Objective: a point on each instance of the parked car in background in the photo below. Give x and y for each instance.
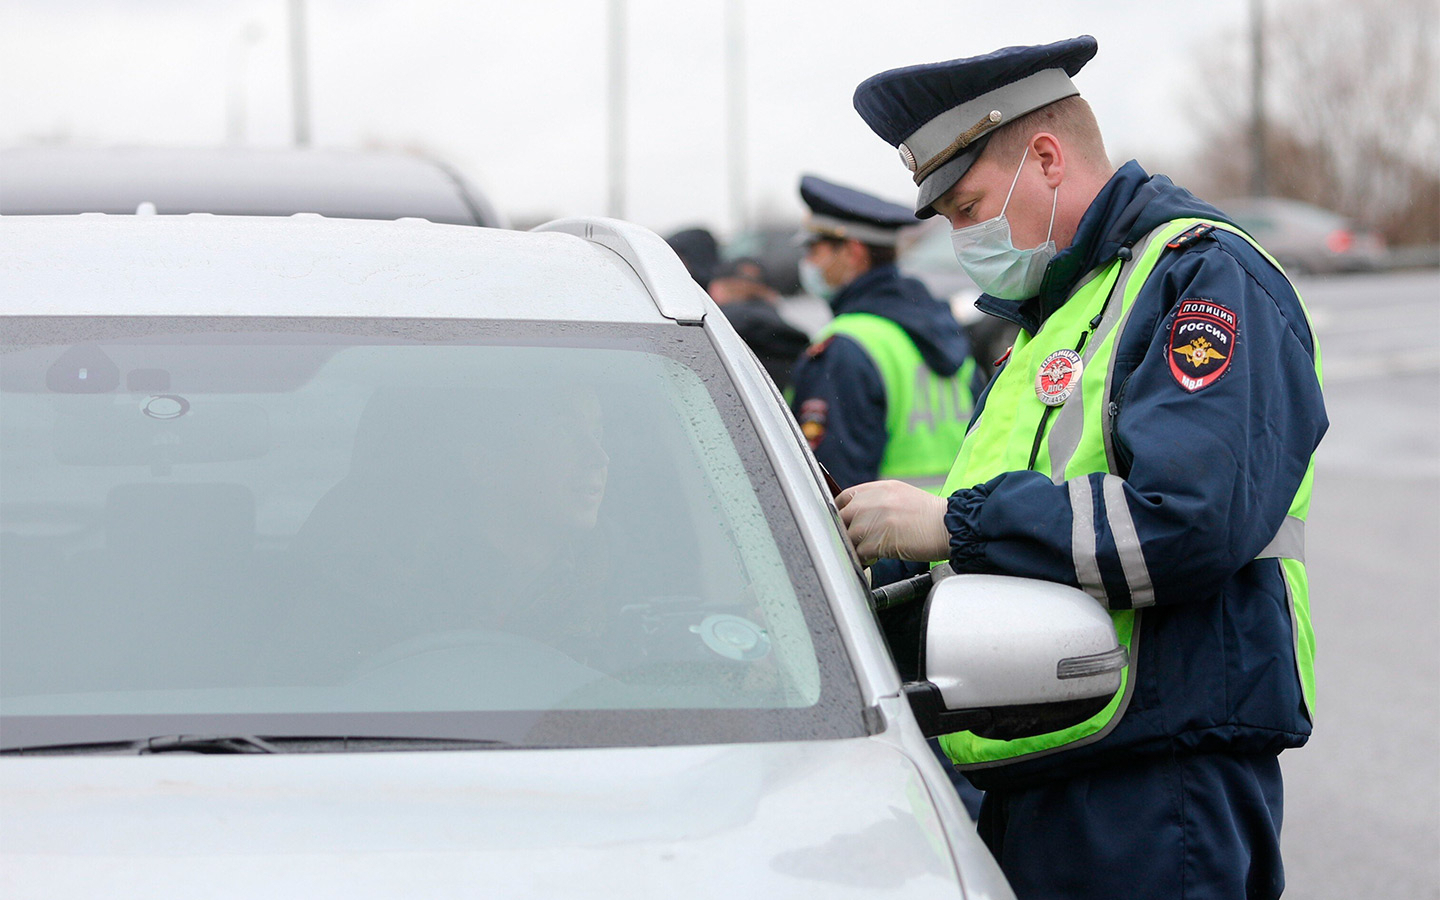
(1305, 238)
(240, 182)
(393, 559)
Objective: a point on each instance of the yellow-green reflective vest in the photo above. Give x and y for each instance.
(925, 413)
(1076, 442)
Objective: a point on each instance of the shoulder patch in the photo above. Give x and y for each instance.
(1202, 342)
(815, 350)
(813, 414)
(1186, 238)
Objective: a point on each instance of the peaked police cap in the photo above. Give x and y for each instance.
(940, 115)
(843, 212)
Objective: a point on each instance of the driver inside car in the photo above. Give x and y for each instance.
(463, 509)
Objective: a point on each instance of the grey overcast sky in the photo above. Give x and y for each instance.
(514, 93)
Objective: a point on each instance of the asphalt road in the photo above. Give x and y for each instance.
(1362, 811)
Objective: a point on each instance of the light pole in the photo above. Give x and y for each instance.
(235, 119)
(299, 74)
(735, 114)
(1258, 187)
(615, 109)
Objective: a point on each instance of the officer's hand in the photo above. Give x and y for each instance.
(896, 520)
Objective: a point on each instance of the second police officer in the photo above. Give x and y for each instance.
(1150, 440)
(886, 389)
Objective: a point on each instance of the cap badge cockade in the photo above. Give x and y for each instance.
(907, 158)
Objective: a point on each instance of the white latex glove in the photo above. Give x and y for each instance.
(896, 520)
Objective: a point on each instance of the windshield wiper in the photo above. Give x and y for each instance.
(249, 743)
(205, 743)
(165, 743)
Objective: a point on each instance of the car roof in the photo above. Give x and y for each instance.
(594, 270)
(237, 181)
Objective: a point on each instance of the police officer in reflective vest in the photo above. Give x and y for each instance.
(1149, 440)
(889, 384)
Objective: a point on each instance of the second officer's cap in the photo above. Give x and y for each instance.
(837, 211)
(940, 115)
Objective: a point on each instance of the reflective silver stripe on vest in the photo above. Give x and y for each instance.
(1107, 425)
(921, 405)
(935, 394)
(1127, 543)
(1069, 426)
(1288, 543)
(1082, 540)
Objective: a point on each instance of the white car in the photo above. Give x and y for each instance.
(395, 559)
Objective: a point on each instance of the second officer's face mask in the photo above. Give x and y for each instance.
(990, 258)
(812, 281)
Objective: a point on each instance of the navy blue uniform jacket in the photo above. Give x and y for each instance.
(1208, 475)
(841, 375)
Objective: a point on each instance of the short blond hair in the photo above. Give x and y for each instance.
(1070, 119)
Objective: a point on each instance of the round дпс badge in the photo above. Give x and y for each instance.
(1059, 376)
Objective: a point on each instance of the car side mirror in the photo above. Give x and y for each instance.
(1010, 657)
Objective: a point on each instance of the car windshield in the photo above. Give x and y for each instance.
(553, 534)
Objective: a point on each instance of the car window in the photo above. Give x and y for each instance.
(547, 533)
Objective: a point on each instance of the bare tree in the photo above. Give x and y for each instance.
(1353, 105)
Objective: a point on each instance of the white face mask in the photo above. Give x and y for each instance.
(990, 258)
(813, 282)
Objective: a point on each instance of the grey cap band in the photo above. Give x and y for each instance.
(944, 178)
(828, 226)
(942, 150)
